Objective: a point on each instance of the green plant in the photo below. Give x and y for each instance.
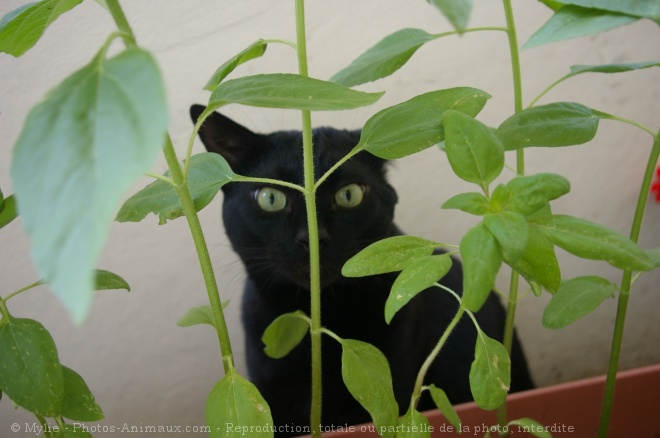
(517, 225)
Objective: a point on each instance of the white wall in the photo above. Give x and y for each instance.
(143, 369)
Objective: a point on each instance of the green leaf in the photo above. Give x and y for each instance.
(80, 150)
(552, 4)
(419, 274)
(482, 258)
(574, 22)
(474, 203)
(30, 370)
(644, 9)
(285, 333)
(289, 91)
(456, 11)
(490, 373)
(387, 255)
(196, 316)
(235, 403)
(532, 427)
(593, 241)
(383, 59)
(414, 125)
(8, 211)
(474, 151)
(413, 425)
(555, 124)
(72, 431)
(511, 231)
(207, 173)
(366, 374)
(611, 68)
(538, 263)
(529, 193)
(576, 298)
(654, 255)
(254, 50)
(22, 28)
(442, 402)
(78, 403)
(106, 280)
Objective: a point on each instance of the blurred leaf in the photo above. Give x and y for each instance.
(576, 298)
(8, 211)
(446, 408)
(288, 91)
(644, 9)
(413, 425)
(383, 59)
(387, 255)
(593, 241)
(474, 203)
(552, 4)
(30, 371)
(22, 28)
(236, 401)
(414, 125)
(456, 11)
(72, 431)
(482, 258)
(532, 427)
(80, 150)
(510, 230)
(490, 373)
(419, 274)
(555, 124)
(78, 403)
(254, 50)
(207, 174)
(199, 315)
(611, 68)
(574, 22)
(654, 255)
(366, 374)
(284, 334)
(474, 151)
(106, 280)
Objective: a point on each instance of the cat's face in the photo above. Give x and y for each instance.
(267, 224)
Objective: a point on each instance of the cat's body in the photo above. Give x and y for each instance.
(273, 248)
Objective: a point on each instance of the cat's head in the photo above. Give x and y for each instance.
(267, 224)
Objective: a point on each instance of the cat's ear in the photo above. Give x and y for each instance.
(223, 136)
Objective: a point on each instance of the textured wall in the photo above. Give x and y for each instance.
(146, 371)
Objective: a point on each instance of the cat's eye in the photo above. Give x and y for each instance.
(270, 199)
(350, 196)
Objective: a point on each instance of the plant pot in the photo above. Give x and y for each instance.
(571, 408)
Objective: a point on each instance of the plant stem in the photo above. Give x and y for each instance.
(417, 391)
(507, 338)
(624, 295)
(181, 187)
(23, 289)
(312, 225)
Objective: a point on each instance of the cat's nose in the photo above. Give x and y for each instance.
(302, 238)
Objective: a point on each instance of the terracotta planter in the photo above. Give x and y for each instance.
(568, 409)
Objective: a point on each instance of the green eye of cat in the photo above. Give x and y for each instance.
(270, 199)
(350, 196)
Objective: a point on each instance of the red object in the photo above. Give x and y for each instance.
(569, 409)
(655, 187)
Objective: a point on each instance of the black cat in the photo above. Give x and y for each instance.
(267, 228)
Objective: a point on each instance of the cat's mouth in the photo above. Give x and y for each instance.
(300, 274)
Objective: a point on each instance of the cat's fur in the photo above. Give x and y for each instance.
(273, 248)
